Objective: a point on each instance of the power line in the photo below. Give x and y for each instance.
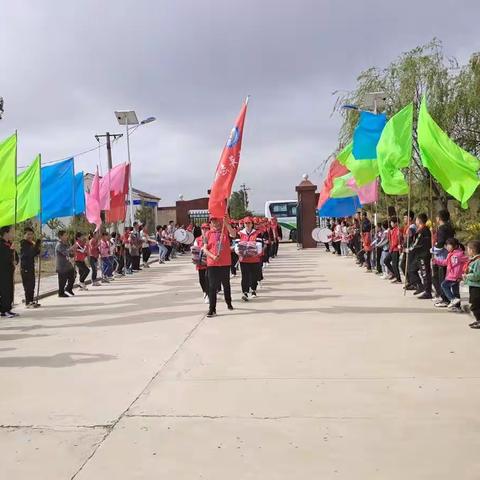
(75, 155)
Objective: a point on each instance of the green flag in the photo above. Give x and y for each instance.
(28, 197)
(8, 155)
(394, 151)
(455, 169)
(363, 171)
(340, 188)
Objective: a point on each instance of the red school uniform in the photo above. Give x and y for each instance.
(219, 243)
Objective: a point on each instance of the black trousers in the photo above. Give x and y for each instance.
(392, 263)
(83, 271)
(93, 265)
(218, 276)
(135, 262)
(438, 276)
(146, 254)
(336, 247)
(266, 254)
(128, 260)
(28, 281)
(169, 252)
(250, 276)
(417, 265)
(203, 280)
(6, 291)
(233, 267)
(378, 256)
(65, 281)
(120, 263)
(474, 293)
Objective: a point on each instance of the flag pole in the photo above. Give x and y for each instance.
(41, 230)
(409, 204)
(15, 211)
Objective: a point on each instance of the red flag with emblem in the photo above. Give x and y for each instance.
(227, 168)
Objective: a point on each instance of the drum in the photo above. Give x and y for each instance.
(247, 249)
(198, 257)
(180, 235)
(322, 235)
(190, 238)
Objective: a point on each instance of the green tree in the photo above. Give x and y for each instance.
(453, 101)
(145, 215)
(237, 205)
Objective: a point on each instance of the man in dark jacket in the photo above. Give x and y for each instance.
(420, 258)
(7, 269)
(29, 249)
(64, 267)
(444, 232)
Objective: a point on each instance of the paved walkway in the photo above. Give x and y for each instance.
(330, 374)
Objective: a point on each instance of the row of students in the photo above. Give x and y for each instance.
(433, 265)
(117, 255)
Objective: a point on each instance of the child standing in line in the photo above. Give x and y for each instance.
(105, 258)
(455, 262)
(344, 239)
(472, 279)
(94, 253)
(80, 252)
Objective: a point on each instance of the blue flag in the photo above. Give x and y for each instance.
(58, 190)
(340, 207)
(79, 194)
(367, 134)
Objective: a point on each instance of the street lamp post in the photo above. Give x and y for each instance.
(129, 118)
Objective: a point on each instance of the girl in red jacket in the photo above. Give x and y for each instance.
(455, 262)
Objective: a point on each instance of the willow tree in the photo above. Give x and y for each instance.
(453, 101)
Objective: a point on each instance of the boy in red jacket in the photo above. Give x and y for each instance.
(219, 259)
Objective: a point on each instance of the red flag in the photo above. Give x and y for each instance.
(227, 168)
(118, 192)
(336, 170)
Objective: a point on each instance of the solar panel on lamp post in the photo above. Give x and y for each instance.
(129, 118)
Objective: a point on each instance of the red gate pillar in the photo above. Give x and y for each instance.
(307, 213)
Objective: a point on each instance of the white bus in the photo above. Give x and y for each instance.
(285, 211)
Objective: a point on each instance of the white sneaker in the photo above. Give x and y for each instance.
(454, 303)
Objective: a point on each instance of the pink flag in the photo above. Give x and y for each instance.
(112, 184)
(93, 203)
(366, 194)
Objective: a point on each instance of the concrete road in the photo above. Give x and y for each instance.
(330, 374)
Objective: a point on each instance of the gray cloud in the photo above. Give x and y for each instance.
(67, 65)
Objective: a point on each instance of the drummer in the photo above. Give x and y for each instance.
(201, 261)
(249, 250)
(219, 259)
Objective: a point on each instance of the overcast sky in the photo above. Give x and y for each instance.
(67, 65)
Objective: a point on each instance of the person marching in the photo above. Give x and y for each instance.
(80, 251)
(249, 249)
(219, 260)
(29, 249)
(64, 267)
(93, 254)
(7, 269)
(200, 260)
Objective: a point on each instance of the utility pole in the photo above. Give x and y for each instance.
(108, 135)
(244, 189)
